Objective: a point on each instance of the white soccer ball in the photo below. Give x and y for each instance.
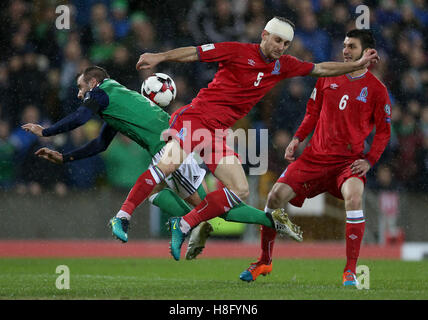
(160, 88)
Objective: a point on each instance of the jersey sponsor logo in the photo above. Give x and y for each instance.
(363, 95)
(251, 62)
(207, 47)
(276, 68)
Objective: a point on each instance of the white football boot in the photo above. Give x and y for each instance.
(284, 226)
(198, 237)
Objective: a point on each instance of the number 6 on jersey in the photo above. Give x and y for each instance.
(343, 102)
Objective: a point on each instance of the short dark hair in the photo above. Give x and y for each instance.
(94, 72)
(286, 20)
(366, 38)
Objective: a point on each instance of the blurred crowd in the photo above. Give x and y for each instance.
(39, 63)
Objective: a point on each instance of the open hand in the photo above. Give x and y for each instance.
(50, 155)
(369, 57)
(33, 128)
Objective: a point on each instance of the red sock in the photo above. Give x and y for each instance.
(354, 236)
(214, 204)
(267, 240)
(142, 189)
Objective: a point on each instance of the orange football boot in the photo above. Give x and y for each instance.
(255, 269)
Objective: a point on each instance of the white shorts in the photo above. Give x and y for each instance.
(186, 179)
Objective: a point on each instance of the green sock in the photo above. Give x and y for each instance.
(201, 192)
(247, 214)
(169, 202)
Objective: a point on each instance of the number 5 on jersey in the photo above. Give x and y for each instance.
(259, 78)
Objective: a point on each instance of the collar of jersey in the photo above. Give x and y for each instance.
(265, 59)
(357, 77)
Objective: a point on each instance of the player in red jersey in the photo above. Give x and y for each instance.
(246, 73)
(343, 111)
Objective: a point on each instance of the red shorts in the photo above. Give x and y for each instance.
(196, 133)
(309, 177)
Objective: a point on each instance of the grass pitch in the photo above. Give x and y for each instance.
(206, 279)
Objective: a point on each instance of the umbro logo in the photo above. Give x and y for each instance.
(149, 182)
(251, 62)
(334, 86)
(353, 236)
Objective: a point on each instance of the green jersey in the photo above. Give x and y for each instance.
(130, 113)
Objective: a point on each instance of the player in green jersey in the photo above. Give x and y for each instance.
(128, 112)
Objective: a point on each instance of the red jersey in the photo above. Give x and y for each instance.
(244, 76)
(344, 110)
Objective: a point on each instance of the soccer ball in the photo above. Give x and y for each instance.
(160, 88)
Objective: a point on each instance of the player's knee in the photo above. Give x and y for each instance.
(241, 191)
(167, 168)
(353, 202)
(194, 199)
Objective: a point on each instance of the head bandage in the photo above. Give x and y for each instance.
(280, 28)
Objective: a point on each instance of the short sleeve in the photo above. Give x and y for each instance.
(294, 67)
(218, 52)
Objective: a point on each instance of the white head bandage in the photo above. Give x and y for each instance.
(280, 28)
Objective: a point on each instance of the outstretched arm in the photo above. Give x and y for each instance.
(332, 69)
(90, 149)
(70, 122)
(93, 147)
(184, 54)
